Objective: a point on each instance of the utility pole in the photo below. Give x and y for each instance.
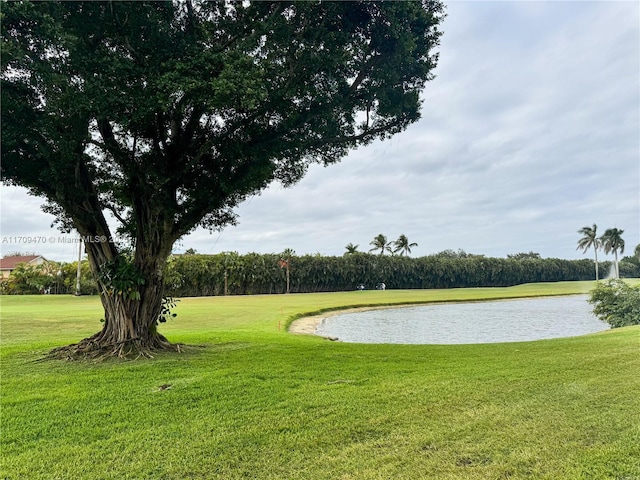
(79, 267)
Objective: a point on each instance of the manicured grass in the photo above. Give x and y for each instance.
(249, 400)
(52, 320)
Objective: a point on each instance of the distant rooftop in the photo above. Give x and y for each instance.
(10, 263)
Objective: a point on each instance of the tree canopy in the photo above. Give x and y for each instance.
(194, 106)
(403, 246)
(380, 243)
(166, 115)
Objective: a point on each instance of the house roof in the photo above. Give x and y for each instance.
(9, 263)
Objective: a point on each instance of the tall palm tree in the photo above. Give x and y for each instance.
(403, 246)
(380, 243)
(612, 242)
(590, 239)
(351, 249)
(285, 262)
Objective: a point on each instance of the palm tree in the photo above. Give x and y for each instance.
(285, 262)
(380, 243)
(351, 249)
(612, 242)
(403, 246)
(589, 240)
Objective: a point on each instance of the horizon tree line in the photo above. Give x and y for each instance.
(231, 273)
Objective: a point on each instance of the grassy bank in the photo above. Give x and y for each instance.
(249, 400)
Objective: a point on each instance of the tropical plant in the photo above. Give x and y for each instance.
(351, 249)
(285, 262)
(28, 278)
(403, 246)
(612, 241)
(616, 302)
(88, 284)
(169, 114)
(380, 243)
(590, 240)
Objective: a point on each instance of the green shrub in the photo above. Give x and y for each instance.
(616, 303)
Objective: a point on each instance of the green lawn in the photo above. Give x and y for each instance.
(249, 400)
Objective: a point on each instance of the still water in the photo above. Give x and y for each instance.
(470, 322)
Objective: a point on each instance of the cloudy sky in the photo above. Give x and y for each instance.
(530, 131)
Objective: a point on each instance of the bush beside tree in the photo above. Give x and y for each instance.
(616, 303)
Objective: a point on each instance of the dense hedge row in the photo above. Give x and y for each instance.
(202, 275)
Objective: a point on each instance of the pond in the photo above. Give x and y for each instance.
(469, 322)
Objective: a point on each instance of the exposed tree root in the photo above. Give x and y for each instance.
(96, 348)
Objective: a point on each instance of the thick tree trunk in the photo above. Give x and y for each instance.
(130, 314)
(130, 318)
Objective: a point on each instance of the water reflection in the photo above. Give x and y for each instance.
(471, 322)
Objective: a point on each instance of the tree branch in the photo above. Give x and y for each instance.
(119, 154)
(116, 214)
(364, 71)
(371, 132)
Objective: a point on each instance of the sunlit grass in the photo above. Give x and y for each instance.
(54, 319)
(249, 400)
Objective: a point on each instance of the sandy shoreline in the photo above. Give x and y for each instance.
(309, 325)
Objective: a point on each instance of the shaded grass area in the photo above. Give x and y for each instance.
(248, 400)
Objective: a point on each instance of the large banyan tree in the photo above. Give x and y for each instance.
(164, 116)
